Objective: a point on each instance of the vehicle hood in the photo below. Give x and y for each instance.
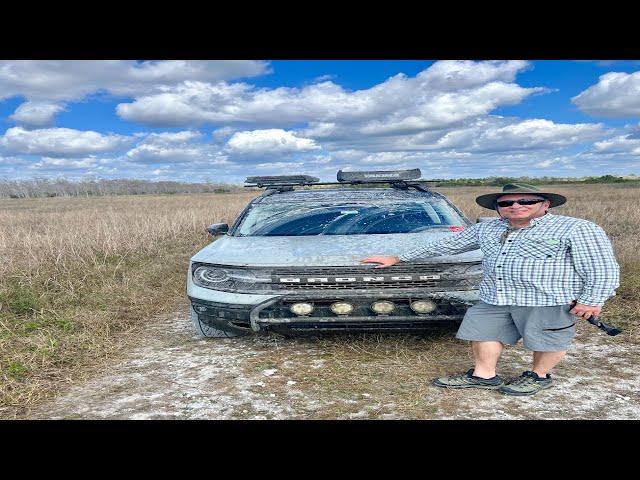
(320, 250)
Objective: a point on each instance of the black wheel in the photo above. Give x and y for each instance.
(207, 331)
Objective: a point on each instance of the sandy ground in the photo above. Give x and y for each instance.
(176, 375)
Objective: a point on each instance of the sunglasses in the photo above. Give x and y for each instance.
(508, 203)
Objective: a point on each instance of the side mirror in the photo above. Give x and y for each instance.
(217, 229)
(485, 219)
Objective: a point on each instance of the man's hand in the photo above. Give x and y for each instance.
(584, 311)
(385, 261)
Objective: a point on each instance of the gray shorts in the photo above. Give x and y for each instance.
(542, 329)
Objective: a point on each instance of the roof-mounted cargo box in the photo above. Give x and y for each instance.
(282, 180)
(379, 176)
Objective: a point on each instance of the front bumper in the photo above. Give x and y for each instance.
(273, 313)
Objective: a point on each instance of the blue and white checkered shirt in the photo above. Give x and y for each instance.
(555, 260)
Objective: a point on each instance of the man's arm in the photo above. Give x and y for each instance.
(461, 242)
(595, 262)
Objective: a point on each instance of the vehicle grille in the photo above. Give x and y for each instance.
(365, 285)
(449, 270)
(365, 269)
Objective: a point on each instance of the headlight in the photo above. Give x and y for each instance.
(341, 308)
(206, 276)
(227, 279)
(301, 308)
(423, 306)
(383, 307)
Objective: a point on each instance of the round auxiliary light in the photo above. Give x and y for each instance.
(383, 307)
(423, 306)
(301, 308)
(341, 308)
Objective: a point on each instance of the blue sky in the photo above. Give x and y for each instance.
(224, 120)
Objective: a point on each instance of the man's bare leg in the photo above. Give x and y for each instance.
(486, 356)
(543, 362)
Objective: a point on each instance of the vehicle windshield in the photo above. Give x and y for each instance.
(286, 219)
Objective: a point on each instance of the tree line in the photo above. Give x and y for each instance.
(37, 188)
(61, 187)
(499, 181)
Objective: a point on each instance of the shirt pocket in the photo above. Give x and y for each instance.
(538, 248)
(490, 248)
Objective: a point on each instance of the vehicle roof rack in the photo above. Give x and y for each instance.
(401, 179)
(282, 180)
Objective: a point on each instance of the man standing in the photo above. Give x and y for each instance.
(540, 272)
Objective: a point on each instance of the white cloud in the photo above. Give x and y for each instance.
(60, 142)
(287, 166)
(450, 75)
(176, 148)
(13, 161)
(536, 134)
(149, 153)
(555, 163)
(320, 130)
(187, 104)
(223, 134)
(623, 144)
(270, 141)
(47, 163)
(385, 158)
(616, 95)
(73, 79)
(320, 160)
(349, 155)
(36, 114)
(448, 108)
(173, 137)
(484, 134)
(445, 93)
(496, 134)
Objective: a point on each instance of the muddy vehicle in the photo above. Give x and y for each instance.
(290, 263)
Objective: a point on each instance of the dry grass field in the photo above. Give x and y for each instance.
(81, 278)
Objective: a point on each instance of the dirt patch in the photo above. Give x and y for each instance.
(176, 375)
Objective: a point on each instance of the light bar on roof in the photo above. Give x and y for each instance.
(379, 175)
(282, 179)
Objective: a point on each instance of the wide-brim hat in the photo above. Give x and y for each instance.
(489, 200)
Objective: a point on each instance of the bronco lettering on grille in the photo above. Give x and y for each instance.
(381, 278)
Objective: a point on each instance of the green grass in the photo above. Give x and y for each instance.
(20, 299)
(16, 370)
(70, 324)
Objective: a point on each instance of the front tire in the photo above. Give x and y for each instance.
(207, 331)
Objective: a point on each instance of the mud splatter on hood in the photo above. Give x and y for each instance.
(321, 250)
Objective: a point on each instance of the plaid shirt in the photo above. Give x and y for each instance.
(555, 260)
